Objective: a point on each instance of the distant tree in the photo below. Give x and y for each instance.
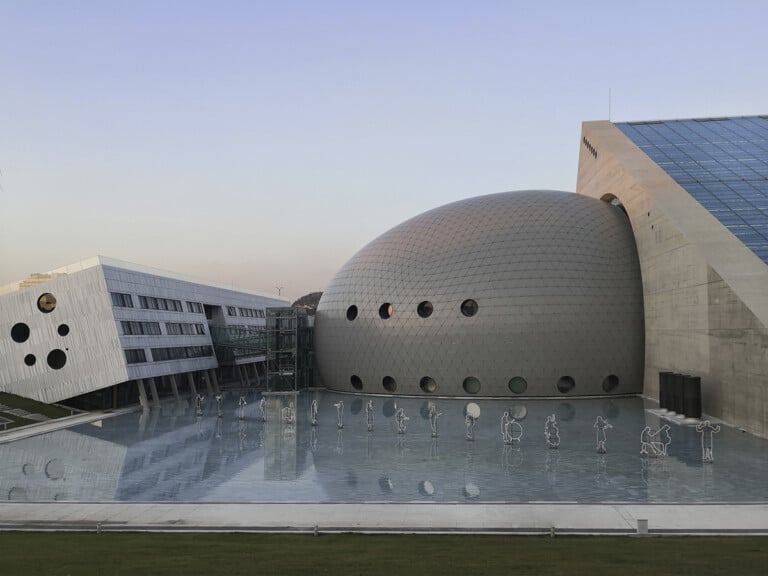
(308, 301)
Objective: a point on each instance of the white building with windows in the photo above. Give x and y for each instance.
(135, 332)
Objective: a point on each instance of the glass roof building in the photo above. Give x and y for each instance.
(696, 193)
(721, 162)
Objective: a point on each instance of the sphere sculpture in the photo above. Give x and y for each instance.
(533, 293)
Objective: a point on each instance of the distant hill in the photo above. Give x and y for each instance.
(308, 301)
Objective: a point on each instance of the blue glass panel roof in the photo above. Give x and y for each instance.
(721, 162)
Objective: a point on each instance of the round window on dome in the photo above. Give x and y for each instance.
(610, 383)
(471, 385)
(518, 385)
(356, 382)
(389, 384)
(385, 310)
(425, 309)
(428, 384)
(469, 308)
(565, 384)
(351, 312)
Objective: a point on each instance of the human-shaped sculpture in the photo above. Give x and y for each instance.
(433, 416)
(601, 424)
(289, 414)
(552, 432)
(313, 413)
(504, 424)
(339, 414)
(218, 405)
(401, 419)
(263, 409)
(369, 415)
(241, 403)
(513, 431)
(470, 420)
(199, 404)
(707, 441)
(241, 435)
(655, 443)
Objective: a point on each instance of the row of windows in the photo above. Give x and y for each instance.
(425, 308)
(471, 385)
(245, 312)
(182, 328)
(153, 328)
(141, 328)
(135, 356)
(153, 303)
(121, 300)
(139, 356)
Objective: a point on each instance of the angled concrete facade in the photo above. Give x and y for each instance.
(102, 322)
(705, 292)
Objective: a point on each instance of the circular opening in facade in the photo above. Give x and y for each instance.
(63, 329)
(566, 384)
(469, 308)
(428, 384)
(425, 309)
(610, 382)
(56, 359)
(356, 382)
(518, 385)
(46, 303)
(471, 385)
(20, 332)
(54, 469)
(351, 312)
(385, 310)
(30, 359)
(389, 384)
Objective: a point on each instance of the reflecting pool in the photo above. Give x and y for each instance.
(171, 453)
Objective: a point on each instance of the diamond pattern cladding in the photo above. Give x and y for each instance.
(557, 284)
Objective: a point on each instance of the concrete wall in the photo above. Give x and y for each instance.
(706, 294)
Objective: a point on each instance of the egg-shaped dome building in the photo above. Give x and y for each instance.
(533, 293)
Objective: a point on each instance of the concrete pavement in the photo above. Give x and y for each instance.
(536, 518)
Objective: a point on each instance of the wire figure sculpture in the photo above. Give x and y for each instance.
(339, 414)
(199, 404)
(707, 431)
(241, 404)
(552, 432)
(369, 413)
(601, 424)
(433, 416)
(656, 442)
(401, 419)
(313, 413)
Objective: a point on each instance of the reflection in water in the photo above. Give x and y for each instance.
(171, 454)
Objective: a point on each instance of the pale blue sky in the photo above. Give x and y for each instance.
(261, 144)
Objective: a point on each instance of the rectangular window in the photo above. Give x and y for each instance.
(141, 328)
(195, 307)
(135, 356)
(120, 300)
(152, 303)
(231, 311)
(181, 353)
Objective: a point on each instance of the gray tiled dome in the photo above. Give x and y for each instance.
(556, 282)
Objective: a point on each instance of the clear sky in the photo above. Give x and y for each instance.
(261, 144)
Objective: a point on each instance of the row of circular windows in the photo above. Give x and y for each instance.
(471, 385)
(424, 309)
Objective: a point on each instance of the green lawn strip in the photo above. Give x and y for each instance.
(15, 421)
(33, 406)
(287, 554)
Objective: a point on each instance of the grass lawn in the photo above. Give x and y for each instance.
(32, 406)
(32, 553)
